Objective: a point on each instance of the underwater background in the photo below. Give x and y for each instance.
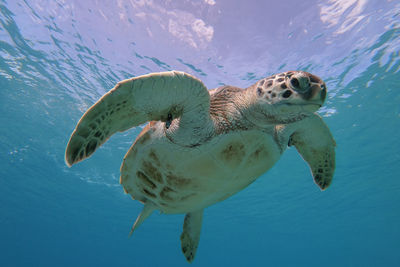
(58, 57)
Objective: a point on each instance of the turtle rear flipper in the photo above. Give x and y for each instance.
(148, 208)
(158, 96)
(190, 236)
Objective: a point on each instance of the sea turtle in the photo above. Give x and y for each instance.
(201, 147)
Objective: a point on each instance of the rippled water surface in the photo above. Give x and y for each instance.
(58, 57)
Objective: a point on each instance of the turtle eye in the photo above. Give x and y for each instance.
(295, 83)
(169, 121)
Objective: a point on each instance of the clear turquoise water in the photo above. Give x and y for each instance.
(58, 57)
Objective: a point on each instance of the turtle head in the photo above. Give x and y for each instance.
(289, 96)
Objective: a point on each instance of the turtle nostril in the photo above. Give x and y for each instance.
(323, 92)
(295, 82)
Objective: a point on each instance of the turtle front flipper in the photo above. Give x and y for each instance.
(190, 236)
(161, 96)
(315, 143)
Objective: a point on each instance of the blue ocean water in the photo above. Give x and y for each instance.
(58, 57)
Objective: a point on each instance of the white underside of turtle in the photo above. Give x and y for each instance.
(201, 147)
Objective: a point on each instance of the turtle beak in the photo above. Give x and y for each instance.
(317, 93)
(309, 87)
